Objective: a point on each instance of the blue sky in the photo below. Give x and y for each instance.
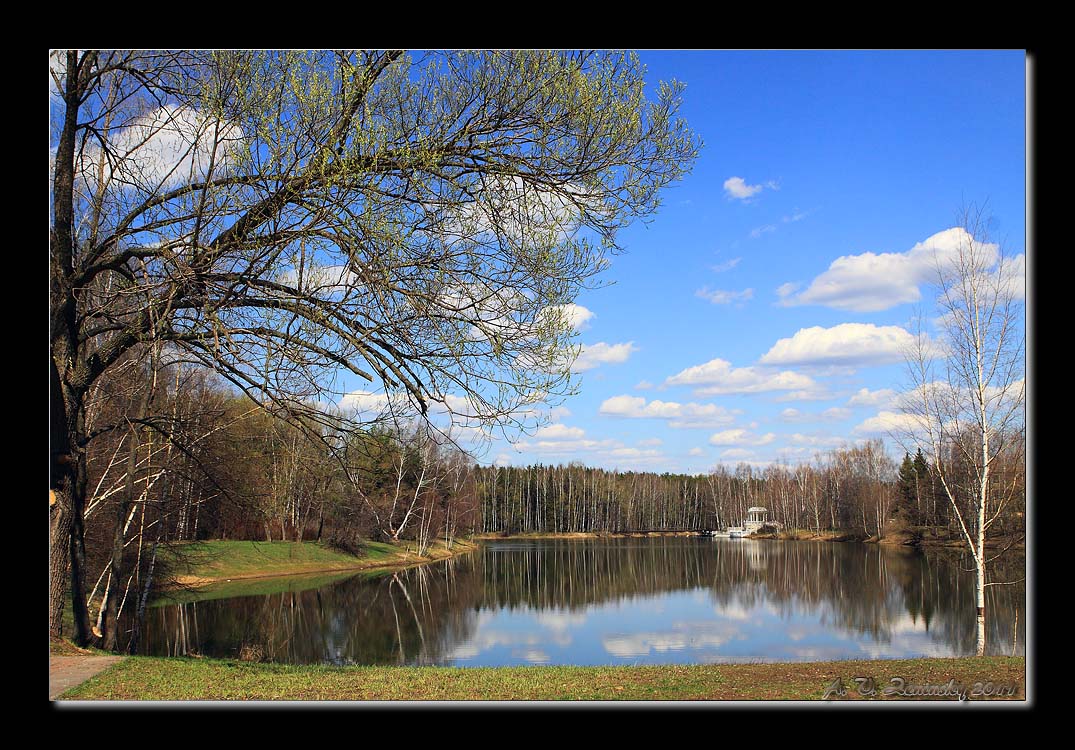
(725, 310)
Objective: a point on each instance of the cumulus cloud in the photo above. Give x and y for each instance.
(643, 385)
(679, 415)
(559, 432)
(561, 440)
(870, 282)
(889, 422)
(718, 377)
(833, 414)
(724, 296)
(847, 344)
(164, 148)
(600, 353)
(741, 453)
(740, 437)
(737, 188)
(817, 441)
(559, 412)
(365, 402)
(879, 398)
(696, 452)
(572, 315)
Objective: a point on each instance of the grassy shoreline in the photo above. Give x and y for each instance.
(183, 679)
(208, 563)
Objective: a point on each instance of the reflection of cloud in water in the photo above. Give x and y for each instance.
(685, 635)
(734, 612)
(524, 644)
(532, 655)
(464, 651)
(906, 645)
(818, 653)
(560, 620)
(798, 632)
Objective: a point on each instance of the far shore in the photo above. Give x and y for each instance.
(900, 539)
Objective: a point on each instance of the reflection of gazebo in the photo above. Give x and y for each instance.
(756, 518)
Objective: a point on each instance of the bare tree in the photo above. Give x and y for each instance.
(419, 222)
(965, 404)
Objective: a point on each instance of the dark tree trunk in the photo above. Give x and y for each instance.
(68, 459)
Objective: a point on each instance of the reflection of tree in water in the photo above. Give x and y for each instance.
(867, 589)
(413, 616)
(419, 615)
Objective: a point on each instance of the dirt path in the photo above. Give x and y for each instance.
(67, 671)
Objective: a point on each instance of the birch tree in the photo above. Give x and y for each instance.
(418, 222)
(965, 404)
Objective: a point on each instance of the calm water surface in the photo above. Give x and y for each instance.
(622, 601)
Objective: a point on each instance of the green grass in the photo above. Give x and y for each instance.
(147, 678)
(238, 559)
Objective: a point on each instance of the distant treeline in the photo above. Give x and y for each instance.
(853, 489)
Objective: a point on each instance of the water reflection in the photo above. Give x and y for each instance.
(624, 601)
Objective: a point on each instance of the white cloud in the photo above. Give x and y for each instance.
(696, 452)
(559, 412)
(879, 398)
(648, 442)
(738, 453)
(817, 392)
(726, 265)
(643, 385)
(759, 231)
(737, 188)
(572, 315)
(559, 432)
(163, 148)
(560, 440)
(364, 402)
(889, 422)
(600, 353)
(740, 437)
(829, 441)
(502, 459)
(870, 282)
(785, 290)
(724, 296)
(519, 212)
(835, 413)
(718, 377)
(680, 415)
(1016, 277)
(847, 344)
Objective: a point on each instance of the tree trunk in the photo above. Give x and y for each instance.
(67, 554)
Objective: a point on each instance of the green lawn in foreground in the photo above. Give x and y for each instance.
(146, 678)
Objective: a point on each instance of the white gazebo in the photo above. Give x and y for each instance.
(756, 518)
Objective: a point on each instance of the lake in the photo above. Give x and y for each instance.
(660, 600)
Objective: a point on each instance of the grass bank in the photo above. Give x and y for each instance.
(146, 678)
(216, 562)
